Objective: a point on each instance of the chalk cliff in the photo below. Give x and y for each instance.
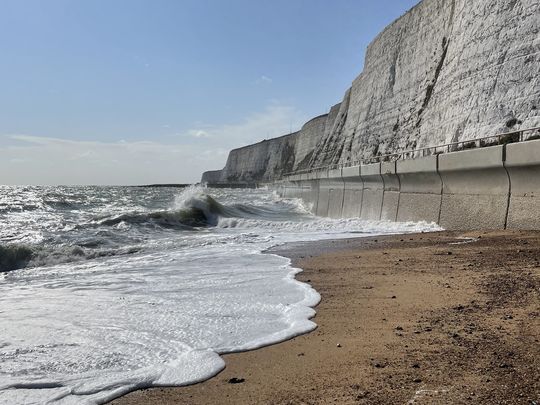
(446, 71)
(270, 159)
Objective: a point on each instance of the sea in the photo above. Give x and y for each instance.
(105, 290)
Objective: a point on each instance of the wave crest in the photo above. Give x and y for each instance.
(14, 257)
(17, 256)
(195, 209)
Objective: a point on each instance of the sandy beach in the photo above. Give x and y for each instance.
(442, 318)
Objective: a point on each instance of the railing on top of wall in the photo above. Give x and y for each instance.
(501, 139)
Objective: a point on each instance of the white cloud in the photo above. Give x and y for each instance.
(275, 120)
(198, 133)
(29, 159)
(264, 80)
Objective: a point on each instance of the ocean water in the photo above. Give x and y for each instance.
(104, 290)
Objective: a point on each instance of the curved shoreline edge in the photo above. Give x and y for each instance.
(400, 319)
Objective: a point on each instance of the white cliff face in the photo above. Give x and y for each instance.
(273, 158)
(447, 71)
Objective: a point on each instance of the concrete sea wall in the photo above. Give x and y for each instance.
(493, 187)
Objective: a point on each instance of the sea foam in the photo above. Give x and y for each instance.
(89, 331)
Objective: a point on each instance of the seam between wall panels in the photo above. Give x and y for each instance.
(383, 191)
(509, 188)
(442, 189)
(318, 183)
(361, 192)
(342, 195)
(399, 192)
(328, 202)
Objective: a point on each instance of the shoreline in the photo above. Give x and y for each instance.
(403, 332)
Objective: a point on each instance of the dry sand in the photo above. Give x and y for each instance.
(420, 319)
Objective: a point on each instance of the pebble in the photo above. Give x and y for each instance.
(236, 380)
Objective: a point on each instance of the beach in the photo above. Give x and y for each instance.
(444, 317)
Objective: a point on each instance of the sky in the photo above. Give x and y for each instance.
(128, 92)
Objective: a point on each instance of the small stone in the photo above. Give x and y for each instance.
(417, 380)
(362, 395)
(338, 345)
(236, 380)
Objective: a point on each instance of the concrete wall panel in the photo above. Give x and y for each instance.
(310, 194)
(468, 212)
(294, 190)
(353, 190)
(391, 196)
(390, 205)
(419, 207)
(421, 190)
(336, 189)
(475, 189)
(523, 166)
(373, 191)
(323, 197)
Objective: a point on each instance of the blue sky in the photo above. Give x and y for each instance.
(156, 91)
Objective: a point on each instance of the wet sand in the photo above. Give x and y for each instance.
(443, 318)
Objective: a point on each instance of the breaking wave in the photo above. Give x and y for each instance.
(17, 256)
(199, 210)
(13, 257)
(106, 235)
